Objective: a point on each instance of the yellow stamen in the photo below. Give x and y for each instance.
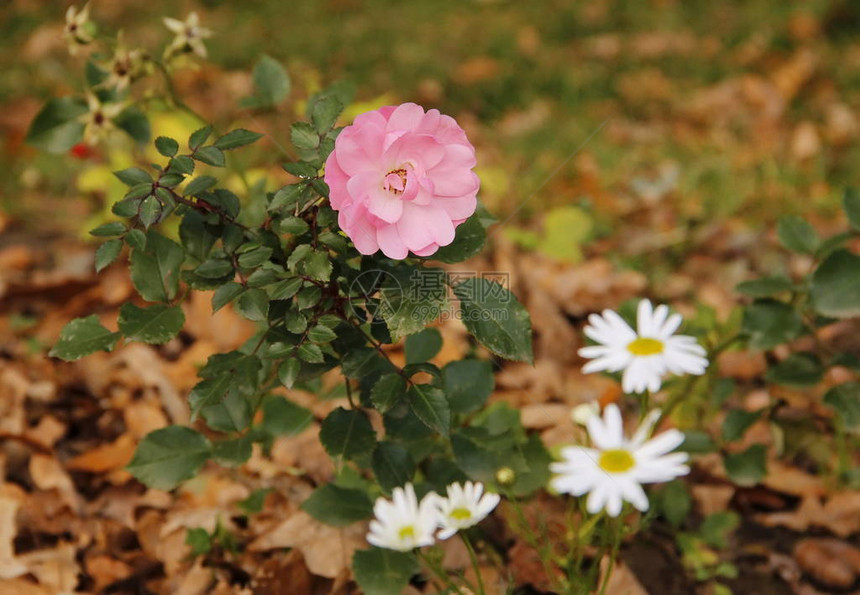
(407, 532)
(616, 461)
(461, 514)
(645, 346)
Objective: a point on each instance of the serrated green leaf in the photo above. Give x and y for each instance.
(149, 211)
(431, 407)
(422, 346)
(392, 465)
(468, 241)
(737, 422)
(133, 176)
(232, 452)
(83, 336)
(304, 137)
(271, 84)
(769, 323)
(835, 288)
(155, 270)
(337, 506)
(107, 253)
(114, 228)
(325, 112)
(347, 434)
(288, 371)
(388, 391)
(198, 185)
(765, 287)
(321, 334)
(282, 417)
(383, 572)
(310, 353)
(468, 384)
(795, 233)
(226, 294)
(57, 128)
(798, 370)
(166, 146)
(198, 137)
(496, 318)
(237, 138)
(210, 155)
(155, 324)
(167, 457)
(254, 305)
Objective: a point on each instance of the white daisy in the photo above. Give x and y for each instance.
(402, 523)
(615, 469)
(645, 355)
(464, 507)
(189, 36)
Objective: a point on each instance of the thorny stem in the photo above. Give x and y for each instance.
(474, 558)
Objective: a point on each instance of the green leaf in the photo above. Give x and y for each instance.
(135, 123)
(392, 465)
(337, 506)
(255, 257)
(136, 238)
(798, 370)
(301, 169)
(214, 268)
(83, 336)
(347, 434)
(422, 346)
(321, 334)
(304, 137)
(764, 287)
(845, 400)
(288, 372)
(496, 318)
(851, 203)
(155, 270)
(388, 391)
(107, 253)
(210, 155)
(133, 176)
(155, 324)
(676, 502)
(325, 112)
(226, 294)
(468, 384)
(293, 225)
(167, 457)
(362, 362)
(282, 417)
(565, 231)
(106, 230)
(254, 305)
(166, 146)
(150, 211)
(233, 452)
(716, 528)
(237, 138)
(198, 137)
(411, 299)
(737, 422)
(253, 504)
(836, 286)
(747, 468)
(197, 236)
(199, 540)
(310, 353)
(181, 164)
(770, 323)
(56, 127)
(431, 407)
(797, 234)
(198, 185)
(383, 572)
(271, 84)
(317, 265)
(468, 241)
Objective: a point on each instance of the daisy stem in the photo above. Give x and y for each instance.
(439, 572)
(533, 541)
(615, 529)
(644, 404)
(474, 558)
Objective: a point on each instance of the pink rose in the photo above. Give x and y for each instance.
(402, 180)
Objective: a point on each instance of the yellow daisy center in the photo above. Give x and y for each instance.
(645, 346)
(461, 514)
(616, 461)
(407, 532)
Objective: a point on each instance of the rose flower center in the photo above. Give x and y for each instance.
(395, 181)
